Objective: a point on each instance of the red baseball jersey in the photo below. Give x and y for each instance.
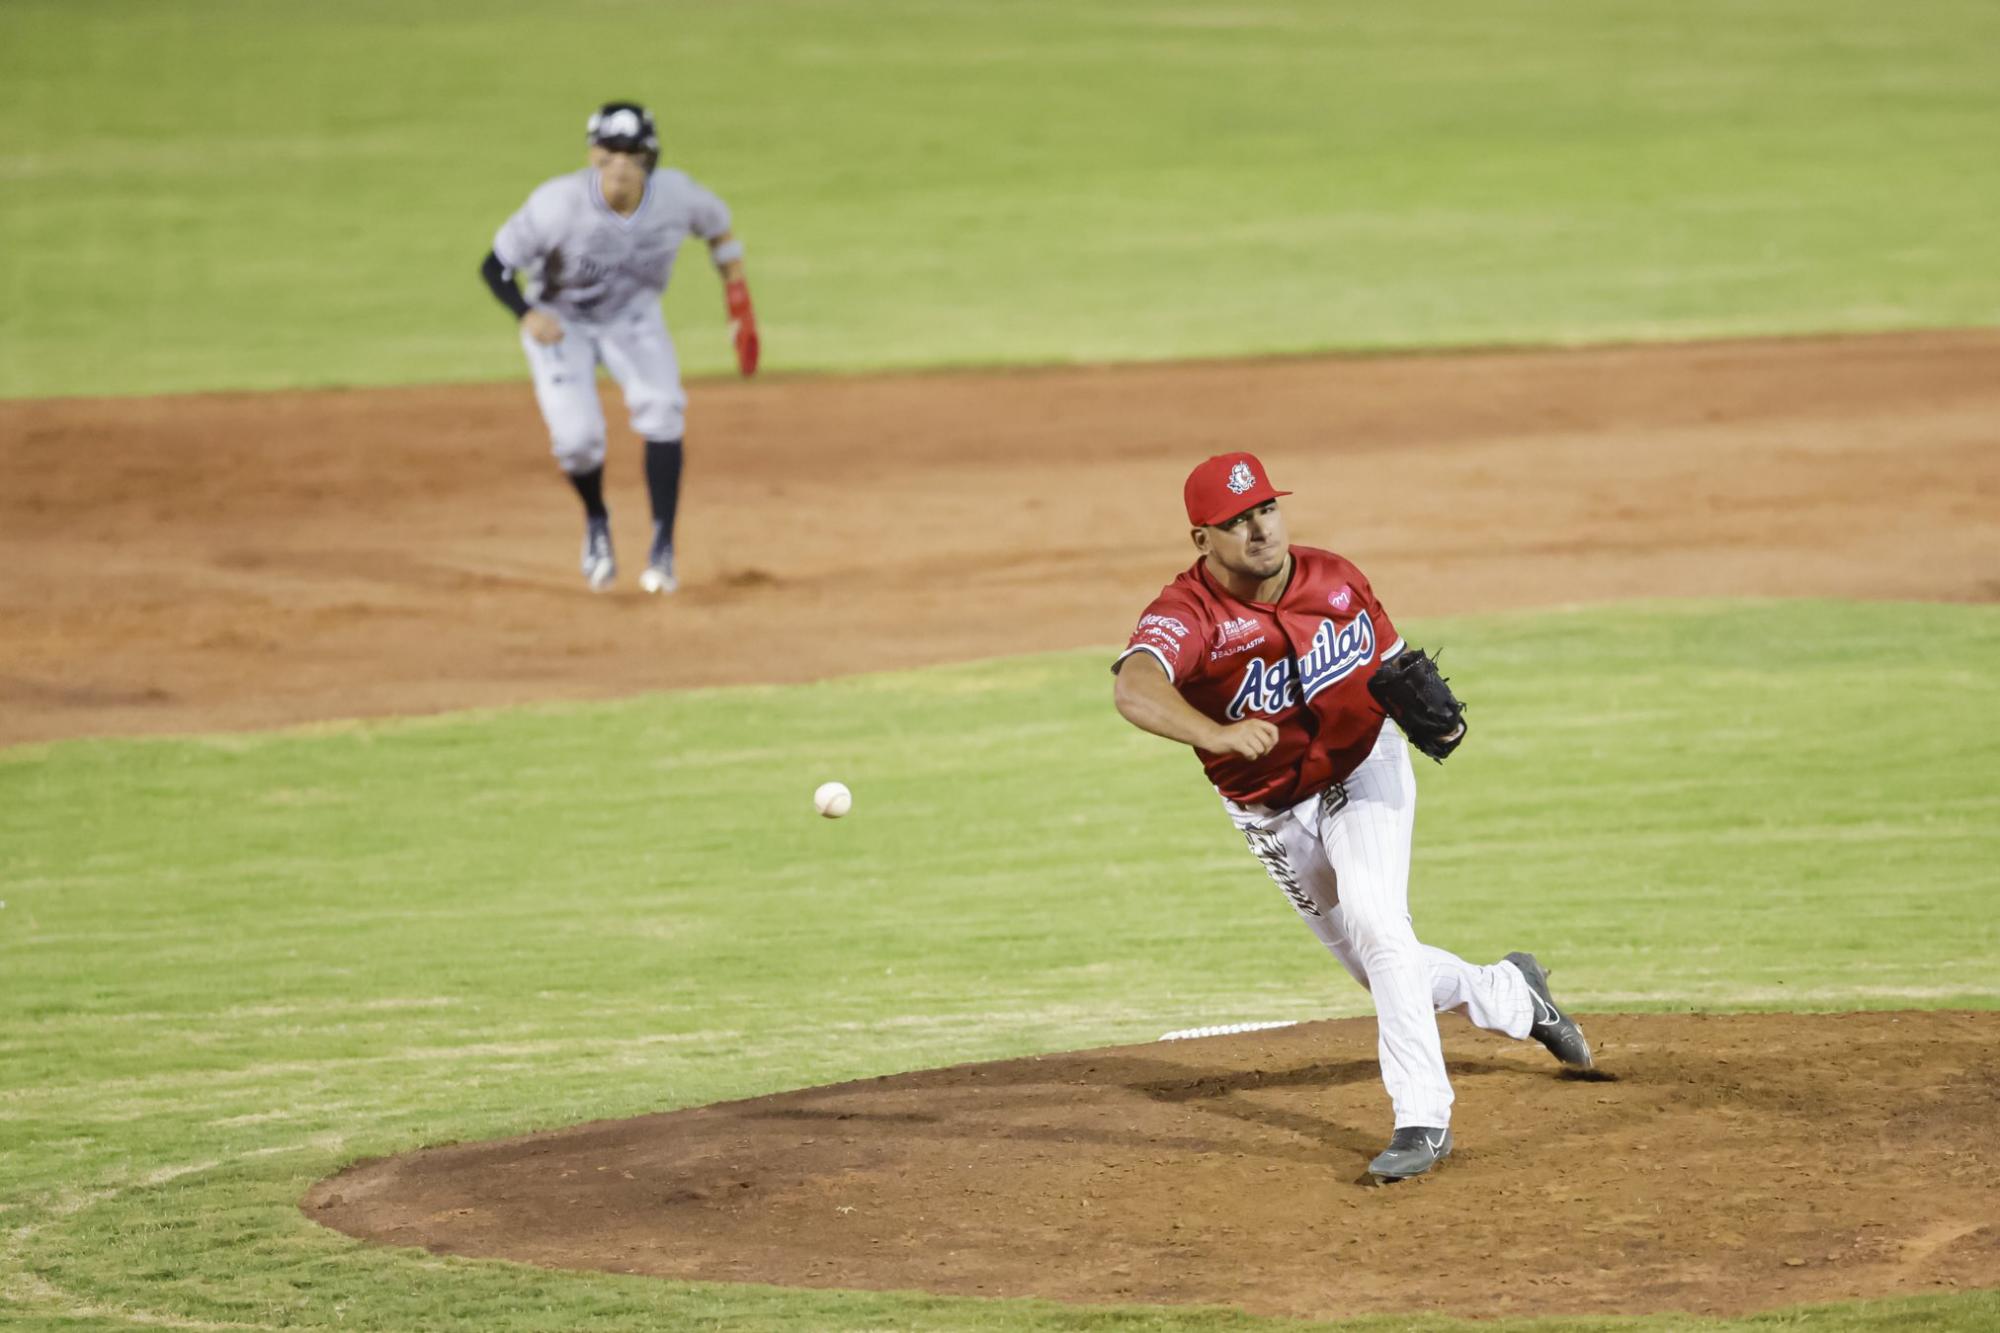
(1302, 664)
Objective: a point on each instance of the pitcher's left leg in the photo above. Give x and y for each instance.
(1367, 840)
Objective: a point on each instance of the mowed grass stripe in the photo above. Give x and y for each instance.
(246, 195)
(234, 963)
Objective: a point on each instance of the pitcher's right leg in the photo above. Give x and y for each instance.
(1291, 845)
(1367, 842)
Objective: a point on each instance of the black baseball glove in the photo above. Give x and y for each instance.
(1410, 690)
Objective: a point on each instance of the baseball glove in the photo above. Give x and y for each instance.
(1410, 690)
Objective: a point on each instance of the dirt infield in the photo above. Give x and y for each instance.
(1735, 1164)
(219, 562)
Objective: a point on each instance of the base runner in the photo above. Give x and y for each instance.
(1278, 665)
(597, 247)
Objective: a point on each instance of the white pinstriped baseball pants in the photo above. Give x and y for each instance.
(1346, 870)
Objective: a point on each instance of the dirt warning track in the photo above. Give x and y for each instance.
(227, 561)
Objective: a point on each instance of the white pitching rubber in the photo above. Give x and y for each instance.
(1226, 1029)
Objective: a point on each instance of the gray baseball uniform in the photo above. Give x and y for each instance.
(603, 276)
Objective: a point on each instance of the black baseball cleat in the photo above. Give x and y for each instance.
(1552, 1027)
(1412, 1151)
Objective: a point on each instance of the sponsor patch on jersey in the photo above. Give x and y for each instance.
(1234, 629)
(1179, 630)
(1269, 687)
(1160, 641)
(1238, 634)
(1241, 478)
(1341, 600)
(1216, 655)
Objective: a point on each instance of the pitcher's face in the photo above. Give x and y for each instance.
(1253, 544)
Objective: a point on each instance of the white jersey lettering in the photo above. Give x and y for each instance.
(1269, 688)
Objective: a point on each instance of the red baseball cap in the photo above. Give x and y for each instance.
(1224, 486)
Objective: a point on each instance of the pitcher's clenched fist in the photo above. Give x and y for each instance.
(1249, 740)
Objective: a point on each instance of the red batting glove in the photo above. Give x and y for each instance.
(742, 325)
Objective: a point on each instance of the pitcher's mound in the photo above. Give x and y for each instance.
(1722, 1164)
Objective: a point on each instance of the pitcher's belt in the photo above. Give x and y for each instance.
(1332, 800)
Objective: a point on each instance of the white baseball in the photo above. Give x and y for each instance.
(833, 799)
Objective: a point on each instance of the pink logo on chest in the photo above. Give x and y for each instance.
(1340, 600)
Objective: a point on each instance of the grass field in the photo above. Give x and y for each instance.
(232, 964)
(242, 194)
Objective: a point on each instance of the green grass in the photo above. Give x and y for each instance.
(231, 964)
(238, 193)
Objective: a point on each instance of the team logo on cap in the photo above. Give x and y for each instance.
(1241, 478)
(620, 124)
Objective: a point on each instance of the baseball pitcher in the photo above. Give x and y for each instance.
(1278, 665)
(597, 247)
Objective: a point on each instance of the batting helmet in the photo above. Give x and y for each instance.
(623, 127)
